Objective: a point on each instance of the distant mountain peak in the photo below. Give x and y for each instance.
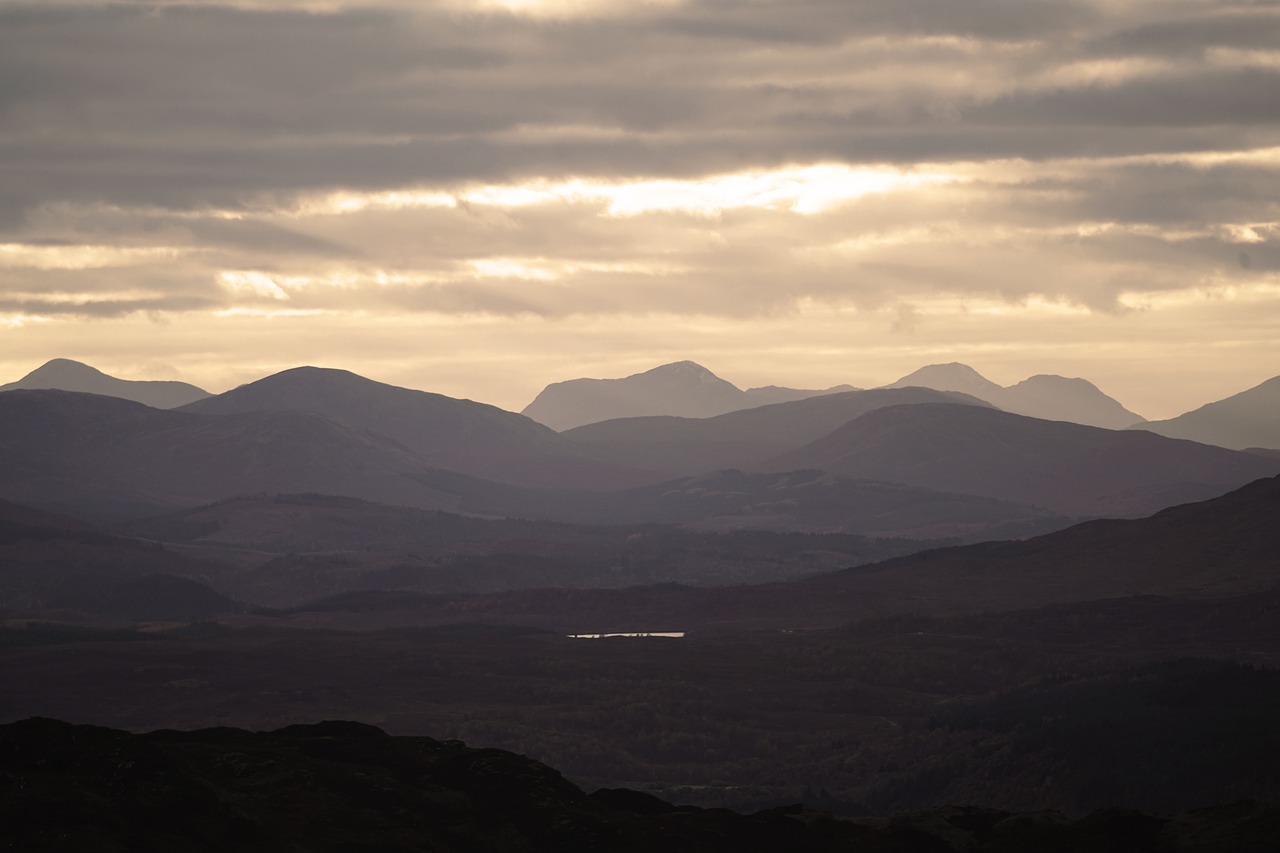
(58, 371)
(952, 376)
(65, 374)
(1045, 395)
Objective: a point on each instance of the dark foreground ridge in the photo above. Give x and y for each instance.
(343, 786)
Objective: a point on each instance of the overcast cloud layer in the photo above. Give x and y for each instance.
(480, 199)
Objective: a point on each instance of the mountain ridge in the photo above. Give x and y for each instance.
(1045, 396)
(67, 375)
(678, 389)
(1249, 419)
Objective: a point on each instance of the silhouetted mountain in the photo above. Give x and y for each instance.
(803, 501)
(345, 786)
(681, 389)
(1057, 398)
(89, 455)
(460, 435)
(67, 375)
(1054, 398)
(1068, 468)
(741, 438)
(1216, 548)
(1246, 420)
(953, 376)
(284, 550)
(769, 394)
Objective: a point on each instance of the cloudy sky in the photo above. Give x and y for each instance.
(479, 198)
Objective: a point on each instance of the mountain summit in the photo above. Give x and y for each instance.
(460, 435)
(1051, 398)
(683, 389)
(63, 374)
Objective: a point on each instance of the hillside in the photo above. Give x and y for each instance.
(460, 435)
(287, 550)
(348, 786)
(94, 456)
(55, 565)
(685, 446)
(1245, 420)
(1065, 467)
(67, 375)
(1221, 547)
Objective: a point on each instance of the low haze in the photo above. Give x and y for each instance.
(480, 199)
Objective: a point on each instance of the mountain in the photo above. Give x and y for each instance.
(459, 435)
(812, 502)
(287, 550)
(56, 563)
(1213, 549)
(94, 456)
(736, 439)
(1248, 419)
(953, 376)
(681, 389)
(768, 394)
(1065, 467)
(1057, 398)
(67, 375)
(1054, 398)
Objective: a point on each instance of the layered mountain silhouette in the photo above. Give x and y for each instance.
(1055, 398)
(735, 439)
(806, 501)
(1218, 548)
(1068, 468)
(681, 389)
(67, 375)
(460, 435)
(95, 456)
(1245, 420)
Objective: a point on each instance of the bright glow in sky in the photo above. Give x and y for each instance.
(480, 199)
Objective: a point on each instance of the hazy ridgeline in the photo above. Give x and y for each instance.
(892, 599)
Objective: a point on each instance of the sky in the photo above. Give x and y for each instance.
(479, 198)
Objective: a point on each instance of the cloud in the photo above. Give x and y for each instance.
(919, 166)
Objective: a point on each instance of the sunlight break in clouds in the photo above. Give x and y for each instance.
(800, 189)
(804, 192)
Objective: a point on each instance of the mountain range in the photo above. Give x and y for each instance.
(1248, 420)
(444, 432)
(1218, 548)
(1054, 398)
(333, 432)
(1065, 467)
(681, 389)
